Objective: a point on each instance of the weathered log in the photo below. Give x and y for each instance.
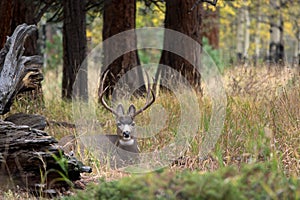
(17, 72)
(30, 157)
(33, 121)
(36, 121)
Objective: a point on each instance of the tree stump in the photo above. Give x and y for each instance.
(29, 157)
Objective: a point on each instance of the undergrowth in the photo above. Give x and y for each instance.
(258, 181)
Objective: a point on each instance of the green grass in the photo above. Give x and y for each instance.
(259, 181)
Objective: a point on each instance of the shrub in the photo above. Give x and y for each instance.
(259, 181)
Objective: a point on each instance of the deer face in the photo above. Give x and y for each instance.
(125, 124)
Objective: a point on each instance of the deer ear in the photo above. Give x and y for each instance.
(131, 110)
(120, 109)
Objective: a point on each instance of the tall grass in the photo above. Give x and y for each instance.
(262, 123)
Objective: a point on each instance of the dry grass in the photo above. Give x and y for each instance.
(263, 116)
(262, 122)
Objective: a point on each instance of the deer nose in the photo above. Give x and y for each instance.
(126, 134)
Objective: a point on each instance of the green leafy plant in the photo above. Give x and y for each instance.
(63, 173)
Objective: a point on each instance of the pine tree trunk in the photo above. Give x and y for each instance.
(119, 16)
(24, 12)
(6, 12)
(179, 17)
(17, 12)
(74, 49)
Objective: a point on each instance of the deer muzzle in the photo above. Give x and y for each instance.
(126, 134)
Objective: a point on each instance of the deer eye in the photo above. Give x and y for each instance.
(132, 124)
(119, 124)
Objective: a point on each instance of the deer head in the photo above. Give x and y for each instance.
(125, 121)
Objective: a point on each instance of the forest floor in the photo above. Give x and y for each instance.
(262, 125)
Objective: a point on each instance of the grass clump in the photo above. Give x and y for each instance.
(258, 181)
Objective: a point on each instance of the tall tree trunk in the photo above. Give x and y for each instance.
(276, 48)
(257, 36)
(119, 16)
(6, 14)
(14, 13)
(240, 35)
(24, 12)
(247, 34)
(74, 49)
(298, 41)
(179, 17)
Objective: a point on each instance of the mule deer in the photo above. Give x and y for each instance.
(125, 140)
(121, 147)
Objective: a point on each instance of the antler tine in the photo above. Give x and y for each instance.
(102, 92)
(148, 95)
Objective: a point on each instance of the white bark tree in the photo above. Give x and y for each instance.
(257, 35)
(296, 59)
(240, 35)
(294, 17)
(247, 33)
(276, 48)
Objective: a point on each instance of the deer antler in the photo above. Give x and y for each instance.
(102, 92)
(148, 95)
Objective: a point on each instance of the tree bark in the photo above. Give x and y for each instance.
(296, 56)
(257, 36)
(24, 12)
(247, 34)
(119, 16)
(32, 159)
(74, 49)
(6, 13)
(296, 59)
(240, 35)
(181, 18)
(17, 12)
(298, 41)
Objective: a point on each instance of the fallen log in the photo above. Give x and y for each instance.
(33, 121)
(29, 157)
